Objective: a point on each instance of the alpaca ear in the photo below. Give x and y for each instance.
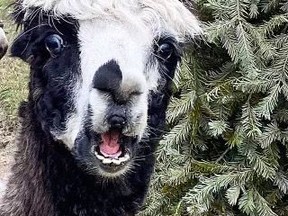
(22, 48)
(29, 46)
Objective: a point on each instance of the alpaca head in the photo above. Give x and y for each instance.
(94, 68)
(3, 42)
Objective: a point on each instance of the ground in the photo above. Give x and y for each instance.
(13, 89)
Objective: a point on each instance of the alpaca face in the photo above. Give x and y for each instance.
(94, 76)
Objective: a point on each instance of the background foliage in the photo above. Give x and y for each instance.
(226, 153)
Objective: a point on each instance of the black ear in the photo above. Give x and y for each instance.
(30, 47)
(22, 47)
(25, 46)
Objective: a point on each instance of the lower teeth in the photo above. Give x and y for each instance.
(116, 161)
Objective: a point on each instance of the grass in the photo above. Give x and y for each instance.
(13, 72)
(13, 89)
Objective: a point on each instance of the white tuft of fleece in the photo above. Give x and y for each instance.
(171, 15)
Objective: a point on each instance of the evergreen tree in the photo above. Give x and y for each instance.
(226, 153)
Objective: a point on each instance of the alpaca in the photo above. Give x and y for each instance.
(100, 82)
(3, 42)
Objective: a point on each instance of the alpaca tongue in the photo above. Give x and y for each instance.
(110, 146)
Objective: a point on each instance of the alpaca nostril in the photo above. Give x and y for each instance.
(117, 122)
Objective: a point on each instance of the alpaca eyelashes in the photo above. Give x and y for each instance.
(54, 44)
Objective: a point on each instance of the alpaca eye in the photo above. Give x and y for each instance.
(54, 44)
(165, 51)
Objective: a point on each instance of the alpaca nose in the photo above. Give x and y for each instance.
(108, 77)
(117, 122)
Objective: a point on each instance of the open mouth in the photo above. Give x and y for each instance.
(112, 153)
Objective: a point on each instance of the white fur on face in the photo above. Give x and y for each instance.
(131, 47)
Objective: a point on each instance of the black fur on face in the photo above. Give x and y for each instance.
(52, 77)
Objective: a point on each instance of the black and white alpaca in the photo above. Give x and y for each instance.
(3, 41)
(99, 87)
